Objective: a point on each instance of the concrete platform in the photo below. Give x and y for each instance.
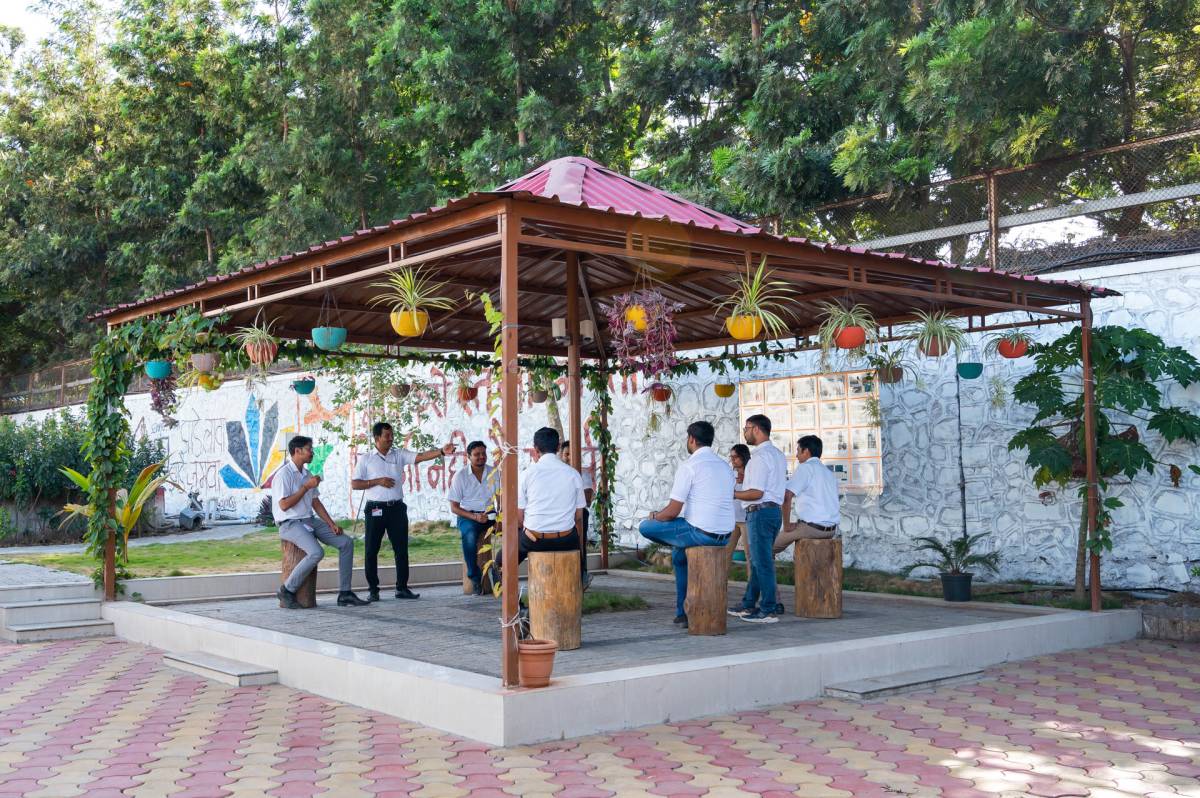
(436, 661)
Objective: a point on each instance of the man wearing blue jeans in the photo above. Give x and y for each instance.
(472, 497)
(762, 490)
(703, 492)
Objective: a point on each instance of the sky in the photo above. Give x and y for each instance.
(17, 14)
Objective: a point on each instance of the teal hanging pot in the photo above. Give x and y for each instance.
(328, 338)
(970, 371)
(158, 369)
(304, 386)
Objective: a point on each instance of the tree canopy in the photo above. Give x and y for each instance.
(146, 144)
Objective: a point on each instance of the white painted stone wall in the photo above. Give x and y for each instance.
(1157, 535)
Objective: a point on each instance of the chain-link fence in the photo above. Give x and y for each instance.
(1128, 202)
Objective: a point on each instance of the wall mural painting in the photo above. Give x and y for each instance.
(252, 447)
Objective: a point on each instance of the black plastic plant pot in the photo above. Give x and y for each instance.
(956, 587)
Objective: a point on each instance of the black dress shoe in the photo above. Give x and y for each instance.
(476, 587)
(681, 620)
(287, 599)
(405, 593)
(350, 600)
(373, 595)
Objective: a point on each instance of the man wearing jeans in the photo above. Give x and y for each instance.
(472, 497)
(762, 490)
(703, 491)
(294, 493)
(814, 491)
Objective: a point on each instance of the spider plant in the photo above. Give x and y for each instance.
(259, 342)
(756, 304)
(1011, 344)
(938, 331)
(956, 557)
(890, 365)
(411, 293)
(846, 328)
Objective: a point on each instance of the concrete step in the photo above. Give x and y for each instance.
(221, 669)
(62, 630)
(903, 682)
(11, 594)
(49, 611)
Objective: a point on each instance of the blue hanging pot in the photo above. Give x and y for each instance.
(328, 338)
(970, 371)
(304, 386)
(158, 369)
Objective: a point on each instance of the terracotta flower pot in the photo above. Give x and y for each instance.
(744, 328)
(400, 390)
(205, 362)
(467, 393)
(1012, 349)
(890, 376)
(409, 323)
(660, 392)
(935, 348)
(636, 315)
(538, 397)
(850, 337)
(724, 389)
(535, 660)
(262, 354)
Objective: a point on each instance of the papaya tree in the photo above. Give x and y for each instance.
(1133, 370)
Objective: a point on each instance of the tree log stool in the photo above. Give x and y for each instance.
(556, 598)
(818, 578)
(306, 596)
(707, 589)
(482, 558)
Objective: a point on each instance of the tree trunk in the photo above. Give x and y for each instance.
(555, 598)
(554, 418)
(1081, 558)
(208, 244)
(707, 589)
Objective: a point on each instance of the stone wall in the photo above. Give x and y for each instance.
(229, 442)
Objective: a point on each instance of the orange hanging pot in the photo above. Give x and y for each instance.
(851, 337)
(467, 393)
(1012, 349)
(723, 389)
(660, 392)
(409, 323)
(262, 354)
(933, 348)
(744, 328)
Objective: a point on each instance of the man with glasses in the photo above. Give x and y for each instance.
(762, 490)
(304, 522)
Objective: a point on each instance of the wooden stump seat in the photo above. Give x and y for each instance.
(481, 558)
(707, 589)
(556, 598)
(818, 578)
(306, 596)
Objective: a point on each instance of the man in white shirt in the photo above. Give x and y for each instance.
(589, 493)
(549, 503)
(762, 489)
(814, 489)
(304, 522)
(703, 493)
(380, 473)
(472, 498)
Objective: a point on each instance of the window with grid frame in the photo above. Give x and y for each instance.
(835, 407)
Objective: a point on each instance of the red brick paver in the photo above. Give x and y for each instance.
(106, 718)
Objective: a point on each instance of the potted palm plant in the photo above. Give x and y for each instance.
(953, 561)
(411, 294)
(755, 305)
(845, 328)
(1012, 344)
(936, 332)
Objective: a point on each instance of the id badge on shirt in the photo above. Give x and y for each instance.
(377, 512)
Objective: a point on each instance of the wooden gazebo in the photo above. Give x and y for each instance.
(560, 240)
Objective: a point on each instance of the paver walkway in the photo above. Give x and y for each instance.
(106, 718)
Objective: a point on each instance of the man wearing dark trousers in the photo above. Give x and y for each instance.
(380, 474)
(549, 502)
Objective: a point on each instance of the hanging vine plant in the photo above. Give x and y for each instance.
(650, 350)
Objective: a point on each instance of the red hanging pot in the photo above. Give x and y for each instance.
(850, 337)
(934, 348)
(1012, 349)
(660, 392)
(467, 393)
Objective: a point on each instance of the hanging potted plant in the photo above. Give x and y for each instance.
(659, 392)
(952, 560)
(724, 388)
(650, 350)
(158, 369)
(210, 381)
(411, 294)
(755, 305)
(325, 335)
(304, 385)
(845, 328)
(205, 362)
(466, 391)
(399, 390)
(541, 380)
(889, 364)
(259, 343)
(936, 332)
(1012, 344)
(970, 366)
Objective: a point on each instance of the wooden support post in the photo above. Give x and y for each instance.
(556, 598)
(306, 596)
(604, 518)
(818, 578)
(510, 399)
(1089, 449)
(574, 382)
(993, 211)
(110, 551)
(707, 589)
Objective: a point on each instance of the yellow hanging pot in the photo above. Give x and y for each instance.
(409, 323)
(636, 315)
(723, 389)
(744, 328)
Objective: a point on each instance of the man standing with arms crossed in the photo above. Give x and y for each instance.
(379, 473)
(762, 490)
(294, 493)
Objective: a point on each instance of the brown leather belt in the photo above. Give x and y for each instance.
(548, 535)
(750, 508)
(820, 527)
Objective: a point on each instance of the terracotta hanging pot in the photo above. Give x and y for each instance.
(660, 392)
(538, 397)
(744, 328)
(400, 390)
(1012, 349)
(409, 323)
(262, 354)
(724, 389)
(891, 375)
(850, 337)
(636, 315)
(535, 661)
(467, 393)
(934, 348)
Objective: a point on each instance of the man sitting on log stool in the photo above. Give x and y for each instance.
(815, 490)
(472, 497)
(550, 504)
(294, 492)
(703, 491)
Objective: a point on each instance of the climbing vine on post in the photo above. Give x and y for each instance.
(597, 424)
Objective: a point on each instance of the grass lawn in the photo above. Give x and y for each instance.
(429, 541)
(603, 601)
